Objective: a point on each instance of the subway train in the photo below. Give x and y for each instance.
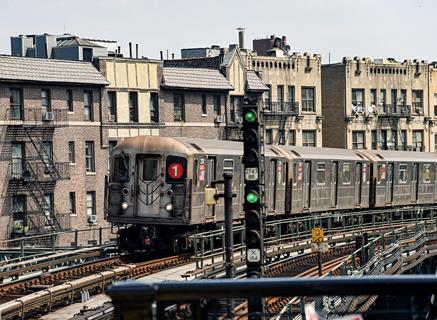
(156, 187)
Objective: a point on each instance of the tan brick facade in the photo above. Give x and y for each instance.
(381, 104)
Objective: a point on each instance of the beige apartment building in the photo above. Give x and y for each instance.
(131, 100)
(379, 104)
(293, 103)
(432, 102)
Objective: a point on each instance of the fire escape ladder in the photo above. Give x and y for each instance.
(48, 160)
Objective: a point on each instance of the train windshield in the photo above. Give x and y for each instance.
(121, 168)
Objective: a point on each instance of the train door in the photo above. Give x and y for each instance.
(307, 184)
(389, 183)
(334, 184)
(415, 183)
(211, 171)
(148, 185)
(273, 181)
(358, 182)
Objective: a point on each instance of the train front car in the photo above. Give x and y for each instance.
(149, 192)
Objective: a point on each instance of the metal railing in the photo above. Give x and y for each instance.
(399, 111)
(43, 171)
(281, 108)
(148, 300)
(37, 117)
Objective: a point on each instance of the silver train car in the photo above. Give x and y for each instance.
(156, 190)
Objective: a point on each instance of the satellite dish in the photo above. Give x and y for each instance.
(287, 48)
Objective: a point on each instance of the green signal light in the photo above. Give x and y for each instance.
(250, 116)
(252, 197)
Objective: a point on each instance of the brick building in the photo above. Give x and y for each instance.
(293, 102)
(51, 151)
(380, 104)
(193, 102)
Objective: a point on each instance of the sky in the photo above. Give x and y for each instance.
(402, 29)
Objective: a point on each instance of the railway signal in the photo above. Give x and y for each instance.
(253, 206)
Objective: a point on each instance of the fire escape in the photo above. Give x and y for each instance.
(278, 113)
(389, 116)
(33, 170)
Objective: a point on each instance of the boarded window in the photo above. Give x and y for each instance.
(321, 173)
(403, 173)
(346, 173)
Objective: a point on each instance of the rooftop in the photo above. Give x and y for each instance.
(194, 78)
(49, 70)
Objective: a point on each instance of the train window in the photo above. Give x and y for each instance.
(121, 168)
(228, 166)
(346, 173)
(150, 169)
(295, 174)
(195, 173)
(321, 173)
(403, 173)
(426, 173)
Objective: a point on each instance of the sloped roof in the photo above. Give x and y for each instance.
(49, 70)
(76, 41)
(194, 78)
(254, 83)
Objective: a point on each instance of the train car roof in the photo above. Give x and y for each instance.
(406, 156)
(322, 153)
(152, 144)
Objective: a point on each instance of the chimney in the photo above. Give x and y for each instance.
(119, 49)
(130, 50)
(136, 50)
(241, 37)
(161, 54)
(284, 41)
(172, 56)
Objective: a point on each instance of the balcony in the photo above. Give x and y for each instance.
(39, 172)
(36, 117)
(286, 109)
(396, 111)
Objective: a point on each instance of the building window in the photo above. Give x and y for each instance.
(418, 140)
(112, 106)
(88, 105)
(394, 99)
(17, 150)
(133, 106)
(403, 140)
(72, 203)
(281, 133)
(418, 101)
(205, 106)
(290, 95)
(47, 156)
(309, 138)
(269, 136)
(268, 97)
(217, 105)
(90, 203)
(292, 137)
(111, 145)
(308, 99)
(70, 100)
(179, 107)
(16, 104)
(71, 152)
(374, 140)
(383, 100)
(357, 100)
(89, 156)
(373, 97)
(358, 140)
(393, 142)
(435, 142)
(45, 100)
(48, 208)
(435, 104)
(236, 111)
(154, 107)
(403, 98)
(280, 93)
(383, 143)
(19, 214)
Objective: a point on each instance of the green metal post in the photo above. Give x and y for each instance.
(53, 238)
(100, 236)
(76, 238)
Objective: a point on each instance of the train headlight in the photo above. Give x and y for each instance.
(125, 191)
(124, 205)
(169, 207)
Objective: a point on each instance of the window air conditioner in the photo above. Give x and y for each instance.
(419, 110)
(218, 119)
(404, 110)
(238, 119)
(111, 117)
(47, 116)
(92, 219)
